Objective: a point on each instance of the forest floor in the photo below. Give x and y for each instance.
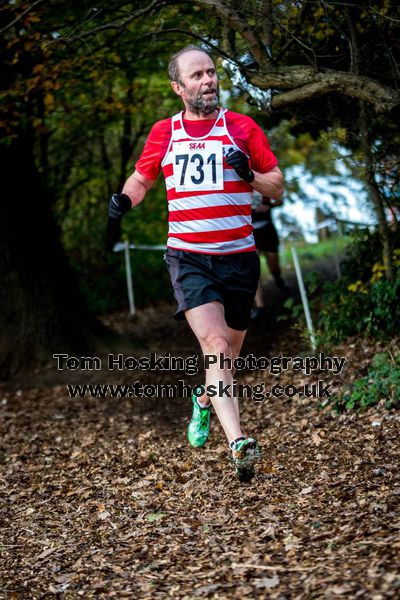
(104, 498)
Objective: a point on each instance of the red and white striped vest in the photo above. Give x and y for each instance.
(209, 204)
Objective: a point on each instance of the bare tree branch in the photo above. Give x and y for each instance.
(116, 25)
(21, 16)
(381, 97)
(298, 82)
(228, 15)
(203, 40)
(304, 82)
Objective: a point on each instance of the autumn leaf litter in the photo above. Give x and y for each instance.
(105, 498)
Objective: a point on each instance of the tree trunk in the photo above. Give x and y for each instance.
(375, 194)
(41, 308)
(365, 145)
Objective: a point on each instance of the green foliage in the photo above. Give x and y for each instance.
(380, 386)
(102, 276)
(295, 309)
(309, 254)
(373, 311)
(362, 301)
(362, 253)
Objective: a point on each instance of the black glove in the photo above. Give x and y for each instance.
(118, 205)
(239, 161)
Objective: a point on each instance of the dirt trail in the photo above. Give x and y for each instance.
(104, 498)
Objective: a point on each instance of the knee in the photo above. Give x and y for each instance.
(217, 344)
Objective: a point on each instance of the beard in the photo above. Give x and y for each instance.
(202, 104)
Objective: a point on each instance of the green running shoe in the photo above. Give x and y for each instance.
(245, 453)
(199, 426)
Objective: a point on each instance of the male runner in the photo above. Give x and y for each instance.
(211, 159)
(266, 240)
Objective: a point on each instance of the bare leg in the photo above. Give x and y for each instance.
(275, 270)
(215, 337)
(273, 262)
(259, 300)
(235, 341)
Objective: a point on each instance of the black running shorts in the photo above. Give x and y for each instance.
(231, 279)
(266, 238)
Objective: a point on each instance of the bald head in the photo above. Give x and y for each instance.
(174, 63)
(194, 79)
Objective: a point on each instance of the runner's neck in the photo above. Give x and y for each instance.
(189, 116)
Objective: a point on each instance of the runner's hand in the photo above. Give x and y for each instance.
(239, 161)
(119, 204)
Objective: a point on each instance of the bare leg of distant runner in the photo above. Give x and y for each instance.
(275, 270)
(259, 300)
(273, 262)
(215, 337)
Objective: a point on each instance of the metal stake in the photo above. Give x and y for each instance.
(129, 281)
(304, 298)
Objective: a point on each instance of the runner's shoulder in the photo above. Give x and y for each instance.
(239, 119)
(161, 128)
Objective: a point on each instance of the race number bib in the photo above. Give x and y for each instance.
(198, 165)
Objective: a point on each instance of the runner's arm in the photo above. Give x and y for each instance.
(269, 184)
(268, 204)
(275, 202)
(136, 187)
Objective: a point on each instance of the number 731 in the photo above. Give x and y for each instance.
(197, 161)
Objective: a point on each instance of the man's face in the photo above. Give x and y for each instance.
(198, 85)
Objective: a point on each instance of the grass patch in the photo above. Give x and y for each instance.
(380, 386)
(309, 254)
